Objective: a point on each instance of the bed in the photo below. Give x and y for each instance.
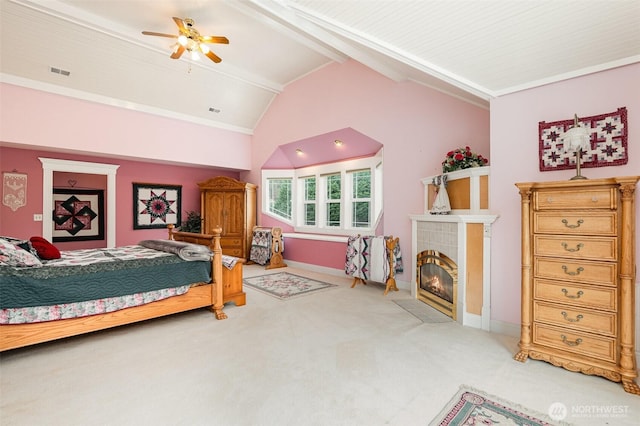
(220, 286)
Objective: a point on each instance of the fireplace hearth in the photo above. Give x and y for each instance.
(437, 281)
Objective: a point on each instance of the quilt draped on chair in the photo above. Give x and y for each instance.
(368, 258)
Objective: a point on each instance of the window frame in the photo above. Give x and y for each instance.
(344, 168)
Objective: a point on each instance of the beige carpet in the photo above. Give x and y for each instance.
(347, 356)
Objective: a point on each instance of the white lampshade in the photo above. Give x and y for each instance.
(576, 138)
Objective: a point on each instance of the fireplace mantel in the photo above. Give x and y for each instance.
(464, 218)
(464, 236)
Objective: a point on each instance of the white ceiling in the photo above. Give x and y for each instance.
(474, 50)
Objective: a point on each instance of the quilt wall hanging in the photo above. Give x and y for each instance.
(608, 142)
(14, 190)
(78, 214)
(156, 206)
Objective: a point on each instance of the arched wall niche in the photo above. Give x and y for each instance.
(51, 165)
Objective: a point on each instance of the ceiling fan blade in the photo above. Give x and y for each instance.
(151, 33)
(215, 58)
(178, 53)
(215, 39)
(179, 23)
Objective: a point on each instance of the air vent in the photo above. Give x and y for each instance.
(212, 109)
(60, 71)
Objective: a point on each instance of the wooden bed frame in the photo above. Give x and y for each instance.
(210, 295)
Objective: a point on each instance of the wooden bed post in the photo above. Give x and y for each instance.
(217, 296)
(216, 264)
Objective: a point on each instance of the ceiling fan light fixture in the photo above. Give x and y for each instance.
(190, 40)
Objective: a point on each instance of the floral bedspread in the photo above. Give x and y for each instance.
(83, 309)
(95, 281)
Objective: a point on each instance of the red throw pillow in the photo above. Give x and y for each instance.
(45, 249)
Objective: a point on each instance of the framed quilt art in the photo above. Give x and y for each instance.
(78, 214)
(156, 206)
(608, 142)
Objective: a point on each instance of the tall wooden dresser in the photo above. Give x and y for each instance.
(229, 204)
(578, 276)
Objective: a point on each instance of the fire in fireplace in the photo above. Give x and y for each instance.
(437, 281)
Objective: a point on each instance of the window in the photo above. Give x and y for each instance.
(280, 197)
(333, 187)
(360, 198)
(309, 201)
(339, 198)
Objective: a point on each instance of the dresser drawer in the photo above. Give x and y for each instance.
(577, 319)
(575, 223)
(596, 248)
(232, 251)
(577, 295)
(583, 271)
(574, 341)
(596, 198)
(230, 242)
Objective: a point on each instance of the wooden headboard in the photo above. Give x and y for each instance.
(190, 237)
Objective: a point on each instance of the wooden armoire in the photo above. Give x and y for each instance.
(231, 205)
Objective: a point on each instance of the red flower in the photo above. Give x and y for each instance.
(462, 158)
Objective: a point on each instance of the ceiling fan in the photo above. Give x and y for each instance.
(189, 39)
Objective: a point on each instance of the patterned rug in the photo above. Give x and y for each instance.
(284, 285)
(471, 406)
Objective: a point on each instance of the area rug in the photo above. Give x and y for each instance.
(471, 406)
(284, 285)
(422, 311)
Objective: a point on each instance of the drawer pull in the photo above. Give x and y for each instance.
(577, 271)
(576, 319)
(570, 343)
(577, 225)
(594, 199)
(578, 247)
(570, 296)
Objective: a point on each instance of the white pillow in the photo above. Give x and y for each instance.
(13, 255)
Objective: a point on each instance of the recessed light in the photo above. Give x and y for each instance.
(338, 142)
(299, 151)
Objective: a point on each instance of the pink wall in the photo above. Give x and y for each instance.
(416, 125)
(20, 223)
(42, 120)
(514, 158)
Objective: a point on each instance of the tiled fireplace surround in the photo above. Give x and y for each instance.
(465, 237)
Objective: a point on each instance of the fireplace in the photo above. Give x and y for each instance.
(437, 281)
(452, 252)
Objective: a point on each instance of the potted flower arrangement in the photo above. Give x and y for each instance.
(462, 158)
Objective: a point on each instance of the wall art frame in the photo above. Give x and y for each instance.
(608, 141)
(78, 214)
(156, 205)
